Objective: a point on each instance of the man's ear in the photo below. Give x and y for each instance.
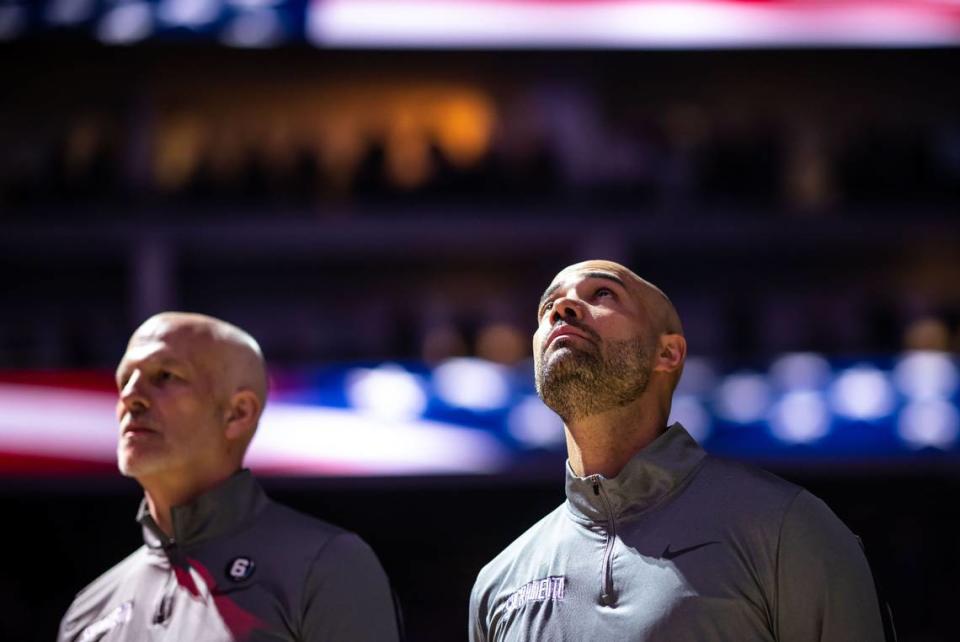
(244, 412)
(671, 354)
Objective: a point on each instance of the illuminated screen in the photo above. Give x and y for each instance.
(671, 24)
(459, 24)
(472, 417)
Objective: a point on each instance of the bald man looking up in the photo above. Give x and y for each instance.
(220, 560)
(658, 540)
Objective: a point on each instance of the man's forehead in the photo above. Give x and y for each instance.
(149, 350)
(172, 340)
(647, 294)
(597, 269)
(142, 347)
(175, 330)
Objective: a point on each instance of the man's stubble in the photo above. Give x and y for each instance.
(581, 383)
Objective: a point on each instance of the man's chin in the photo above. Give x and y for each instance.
(136, 464)
(126, 468)
(565, 361)
(560, 355)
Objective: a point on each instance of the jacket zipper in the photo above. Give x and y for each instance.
(606, 579)
(165, 607)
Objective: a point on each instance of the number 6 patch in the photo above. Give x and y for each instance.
(240, 568)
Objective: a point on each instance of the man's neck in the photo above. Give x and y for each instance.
(163, 496)
(159, 508)
(604, 443)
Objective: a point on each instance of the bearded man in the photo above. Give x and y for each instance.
(658, 540)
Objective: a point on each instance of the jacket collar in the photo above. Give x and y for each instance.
(650, 476)
(220, 510)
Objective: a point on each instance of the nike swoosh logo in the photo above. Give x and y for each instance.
(669, 555)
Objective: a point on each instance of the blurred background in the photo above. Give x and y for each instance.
(380, 192)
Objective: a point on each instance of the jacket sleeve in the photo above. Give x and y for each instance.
(476, 625)
(348, 596)
(825, 590)
(68, 626)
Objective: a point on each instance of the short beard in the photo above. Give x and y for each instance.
(583, 384)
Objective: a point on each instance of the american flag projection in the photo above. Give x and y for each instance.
(654, 24)
(464, 24)
(473, 417)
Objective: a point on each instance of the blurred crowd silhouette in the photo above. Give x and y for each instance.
(482, 132)
(787, 200)
(472, 151)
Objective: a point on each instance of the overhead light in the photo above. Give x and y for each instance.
(189, 13)
(699, 377)
(65, 13)
(926, 375)
(530, 422)
(800, 371)
(689, 411)
(474, 384)
(125, 24)
(252, 29)
(934, 423)
(13, 18)
(863, 393)
(387, 392)
(800, 417)
(743, 398)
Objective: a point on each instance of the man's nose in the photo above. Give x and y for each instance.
(566, 307)
(132, 395)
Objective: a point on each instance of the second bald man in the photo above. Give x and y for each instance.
(220, 560)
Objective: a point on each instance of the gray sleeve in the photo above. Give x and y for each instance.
(67, 629)
(825, 591)
(476, 624)
(348, 595)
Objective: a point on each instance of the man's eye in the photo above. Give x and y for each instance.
(546, 307)
(604, 292)
(165, 375)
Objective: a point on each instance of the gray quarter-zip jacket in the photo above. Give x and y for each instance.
(238, 567)
(685, 547)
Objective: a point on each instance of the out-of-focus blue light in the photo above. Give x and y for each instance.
(800, 371)
(926, 375)
(530, 422)
(13, 18)
(64, 13)
(189, 13)
(863, 393)
(699, 377)
(126, 23)
(474, 384)
(689, 411)
(254, 4)
(743, 398)
(800, 417)
(933, 423)
(386, 392)
(253, 29)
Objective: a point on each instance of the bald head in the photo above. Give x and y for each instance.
(191, 390)
(229, 353)
(657, 304)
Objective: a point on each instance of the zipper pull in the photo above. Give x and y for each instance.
(596, 488)
(164, 609)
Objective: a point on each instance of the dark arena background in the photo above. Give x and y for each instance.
(380, 192)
